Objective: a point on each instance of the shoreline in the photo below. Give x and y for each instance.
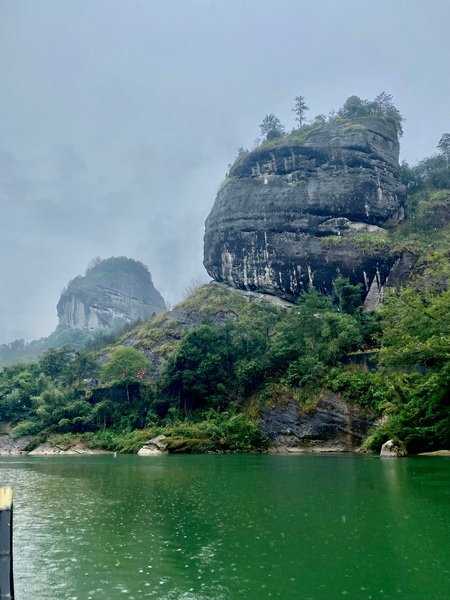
(10, 446)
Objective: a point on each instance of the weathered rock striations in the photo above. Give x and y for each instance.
(331, 424)
(112, 293)
(9, 445)
(287, 216)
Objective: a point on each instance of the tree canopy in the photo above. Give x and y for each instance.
(271, 127)
(124, 366)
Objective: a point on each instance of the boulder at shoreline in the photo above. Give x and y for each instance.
(154, 447)
(391, 449)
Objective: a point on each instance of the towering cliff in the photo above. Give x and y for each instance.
(112, 293)
(301, 210)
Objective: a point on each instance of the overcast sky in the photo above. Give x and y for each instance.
(118, 119)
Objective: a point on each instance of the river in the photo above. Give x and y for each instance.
(322, 527)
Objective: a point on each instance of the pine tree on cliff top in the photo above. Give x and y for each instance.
(300, 110)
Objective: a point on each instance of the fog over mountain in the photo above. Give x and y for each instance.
(118, 120)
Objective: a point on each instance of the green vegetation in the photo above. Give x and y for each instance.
(62, 336)
(235, 357)
(432, 172)
(221, 356)
(300, 109)
(351, 116)
(106, 270)
(208, 374)
(366, 243)
(125, 366)
(299, 136)
(271, 127)
(425, 233)
(382, 106)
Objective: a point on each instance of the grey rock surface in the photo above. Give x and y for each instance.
(112, 293)
(270, 226)
(392, 450)
(49, 449)
(331, 425)
(154, 447)
(13, 446)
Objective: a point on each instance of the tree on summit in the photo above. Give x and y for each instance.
(271, 127)
(300, 109)
(383, 106)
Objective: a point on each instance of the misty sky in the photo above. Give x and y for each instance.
(118, 119)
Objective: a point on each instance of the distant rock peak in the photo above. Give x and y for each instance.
(112, 293)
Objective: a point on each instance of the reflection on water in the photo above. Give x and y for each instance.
(226, 527)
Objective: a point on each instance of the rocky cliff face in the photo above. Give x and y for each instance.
(112, 293)
(290, 213)
(332, 424)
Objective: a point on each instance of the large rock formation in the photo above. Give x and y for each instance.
(331, 424)
(289, 212)
(9, 445)
(112, 293)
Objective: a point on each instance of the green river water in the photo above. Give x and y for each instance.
(212, 527)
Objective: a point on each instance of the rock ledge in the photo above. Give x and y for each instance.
(49, 449)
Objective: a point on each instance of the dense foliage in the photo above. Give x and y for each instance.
(430, 173)
(214, 367)
(63, 336)
(217, 370)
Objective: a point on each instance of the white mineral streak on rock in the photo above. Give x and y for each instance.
(379, 189)
(316, 191)
(227, 266)
(245, 264)
(366, 281)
